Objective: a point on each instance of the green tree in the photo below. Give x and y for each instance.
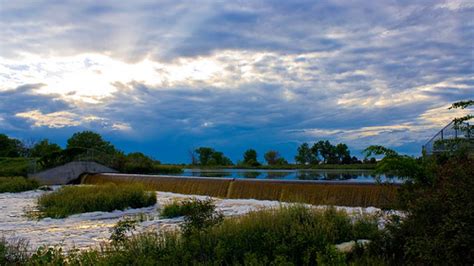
(218, 158)
(343, 154)
(44, 148)
(326, 150)
(460, 120)
(10, 147)
(204, 155)
(90, 140)
(250, 158)
(138, 163)
(305, 155)
(208, 156)
(273, 158)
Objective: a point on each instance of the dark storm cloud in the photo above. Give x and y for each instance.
(327, 70)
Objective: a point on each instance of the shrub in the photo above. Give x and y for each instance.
(185, 207)
(79, 199)
(121, 228)
(13, 252)
(437, 229)
(17, 184)
(202, 215)
(174, 209)
(198, 214)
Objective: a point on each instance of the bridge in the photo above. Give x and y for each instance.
(69, 173)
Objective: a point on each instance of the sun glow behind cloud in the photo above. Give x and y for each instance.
(258, 74)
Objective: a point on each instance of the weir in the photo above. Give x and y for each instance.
(312, 192)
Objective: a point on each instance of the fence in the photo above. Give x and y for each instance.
(449, 138)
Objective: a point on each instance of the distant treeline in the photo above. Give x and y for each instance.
(86, 145)
(320, 153)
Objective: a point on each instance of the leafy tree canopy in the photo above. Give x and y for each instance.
(44, 148)
(305, 155)
(250, 158)
(10, 147)
(273, 158)
(90, 140)
(208, 156)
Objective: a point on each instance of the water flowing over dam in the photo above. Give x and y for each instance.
(312, 192)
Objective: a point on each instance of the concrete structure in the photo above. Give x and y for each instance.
(69, 173)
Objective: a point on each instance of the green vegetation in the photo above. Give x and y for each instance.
(10, 147)
(185, 207)
(85, 145)
(208, 156)
(273, 158)
(286, 236)
(14, 166)
(363, 166)
(326, 153)
(90, 140)
(250, 159)
(70, 200)
(17, 184)
(13, 252)
(438, 198)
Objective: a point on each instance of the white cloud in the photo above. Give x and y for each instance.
(63, 119)
(51, 120)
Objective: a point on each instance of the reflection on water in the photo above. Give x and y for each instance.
(328, 175)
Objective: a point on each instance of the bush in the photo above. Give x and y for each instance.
(175, 209)
(17, 184)
(79, 199)
(437, 229)
(14, 252)
(185, 207)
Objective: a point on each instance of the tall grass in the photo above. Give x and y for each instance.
(294, 235)
(17, 184)
(14, 166)
(383, 196)
(79, 199)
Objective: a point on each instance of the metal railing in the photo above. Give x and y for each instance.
(450, 138)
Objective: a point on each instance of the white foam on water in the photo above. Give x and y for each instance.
(90, 229)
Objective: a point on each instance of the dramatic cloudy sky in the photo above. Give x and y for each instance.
(163, 77)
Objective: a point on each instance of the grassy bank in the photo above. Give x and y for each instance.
(80, 199)
(14, 166)
(166, 169)
(287, 236)
(17, 184)
(383, 196)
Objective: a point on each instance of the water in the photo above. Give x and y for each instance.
(351, 175)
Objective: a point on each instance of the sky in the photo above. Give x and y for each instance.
(165, 77)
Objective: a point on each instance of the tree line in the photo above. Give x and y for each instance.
(321, 152)
(81, 145)
(88, 143)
